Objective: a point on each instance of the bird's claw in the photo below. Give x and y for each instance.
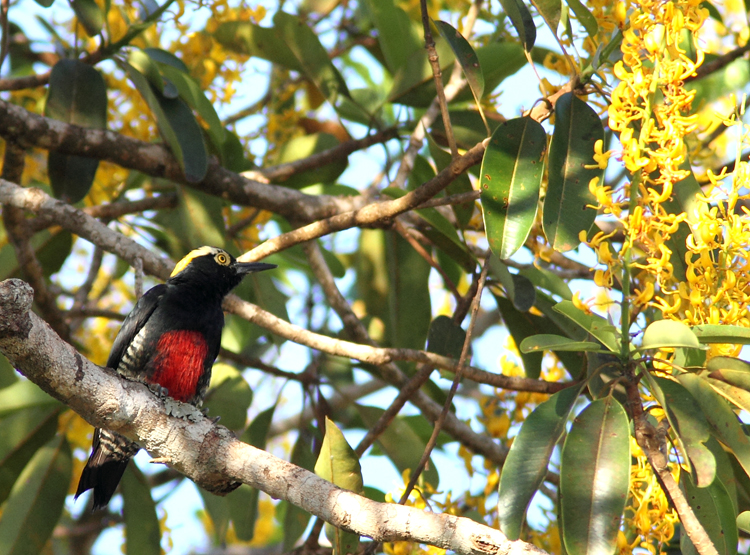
(158, 390)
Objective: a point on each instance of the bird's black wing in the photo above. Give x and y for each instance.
(134, 322)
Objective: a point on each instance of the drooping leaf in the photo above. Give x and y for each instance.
(585, 17)
(593, 324)
(465, 56)
(526, 465)
(511, 176)
(713, 507)
(669, 333)
(311, 55)
(522, 21)
(446, 337)
(569, 206)
(689, 423)
(550, 10)
(22, 433)
(594, 478)
(142, 533)
(37, 499)
(147, 67)
(549, 342)
(77, 95)
(90, 15)
(721, 418)
(177, 126)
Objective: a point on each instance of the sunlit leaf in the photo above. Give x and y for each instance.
(569, 206)
(24, 394)
(511, 176)
(142, 533)
(37, 499)
(548, 342)
(670, 334)
(594, 478)
(526, 465)
(593, 324)
(465, 56)
(713, 333)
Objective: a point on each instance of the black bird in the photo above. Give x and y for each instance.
(170, 340)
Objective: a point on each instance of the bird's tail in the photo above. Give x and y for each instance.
(110, 455)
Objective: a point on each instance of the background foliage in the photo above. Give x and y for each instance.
(604, 226)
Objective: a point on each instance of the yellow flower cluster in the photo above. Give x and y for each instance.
(649, 520)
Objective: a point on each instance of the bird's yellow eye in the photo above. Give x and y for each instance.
(222, 259)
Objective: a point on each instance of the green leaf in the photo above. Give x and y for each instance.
(731, 370)
(53, 254)
(712, 333)
(518, 289)
(217, 509)
(550, 11)
(568, 206)
(22, 434)
(511, 176)
(526, 465)
(585, 17)
(549, 342)
(713, 507)
(201, 219)
(446, 337)
(311, 55)
(736, 395)
(243, 502)
(743, 521)
(402, 445)
(77, 95)
(522, 21)
(143, 63)
(548, 280)
(296, 519)
(690, 425)
(669, 333)
(465, 56)
(595, 325)
(230, 396)
(247, 38)
(594, 478)
(142, 532)
(298, 148)
(37, 499)
(24, 394)
(90, 15)
(177, 125)
(720, 416)
(397, 36)
(164, 57)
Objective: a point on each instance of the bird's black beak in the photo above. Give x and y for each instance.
(243, 268)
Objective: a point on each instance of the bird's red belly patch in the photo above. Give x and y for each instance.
(179, 363)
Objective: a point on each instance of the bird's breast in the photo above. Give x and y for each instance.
(179, 363)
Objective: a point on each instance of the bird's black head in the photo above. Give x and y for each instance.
(213, 270)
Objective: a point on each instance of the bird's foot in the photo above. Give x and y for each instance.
(215, 419)
(185, 411)
(159, 391)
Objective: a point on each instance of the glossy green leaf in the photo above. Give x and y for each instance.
(669, 333)
(713, 507)
(526, 465)
(584, 16)
(229, 397)
(402, 445)
(594, 478)
(247, 38)
(177, 126)
(311, 55)
(189, 91)
(511, 176)
(90, 15)
(22, 433)
(569, 205)
(77, 95)
(712, 333)
(722, 419)
(593, 324)
(522, 21)
(689, 423)
(549, 342)
(37, 499)
(142, 533)
(465, 56)
(446, 337)
(22, 395)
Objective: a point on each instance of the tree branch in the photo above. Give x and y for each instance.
(208, 453)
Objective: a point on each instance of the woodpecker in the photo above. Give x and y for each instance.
(169, 341)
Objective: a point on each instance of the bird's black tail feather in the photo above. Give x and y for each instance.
(110, 455)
